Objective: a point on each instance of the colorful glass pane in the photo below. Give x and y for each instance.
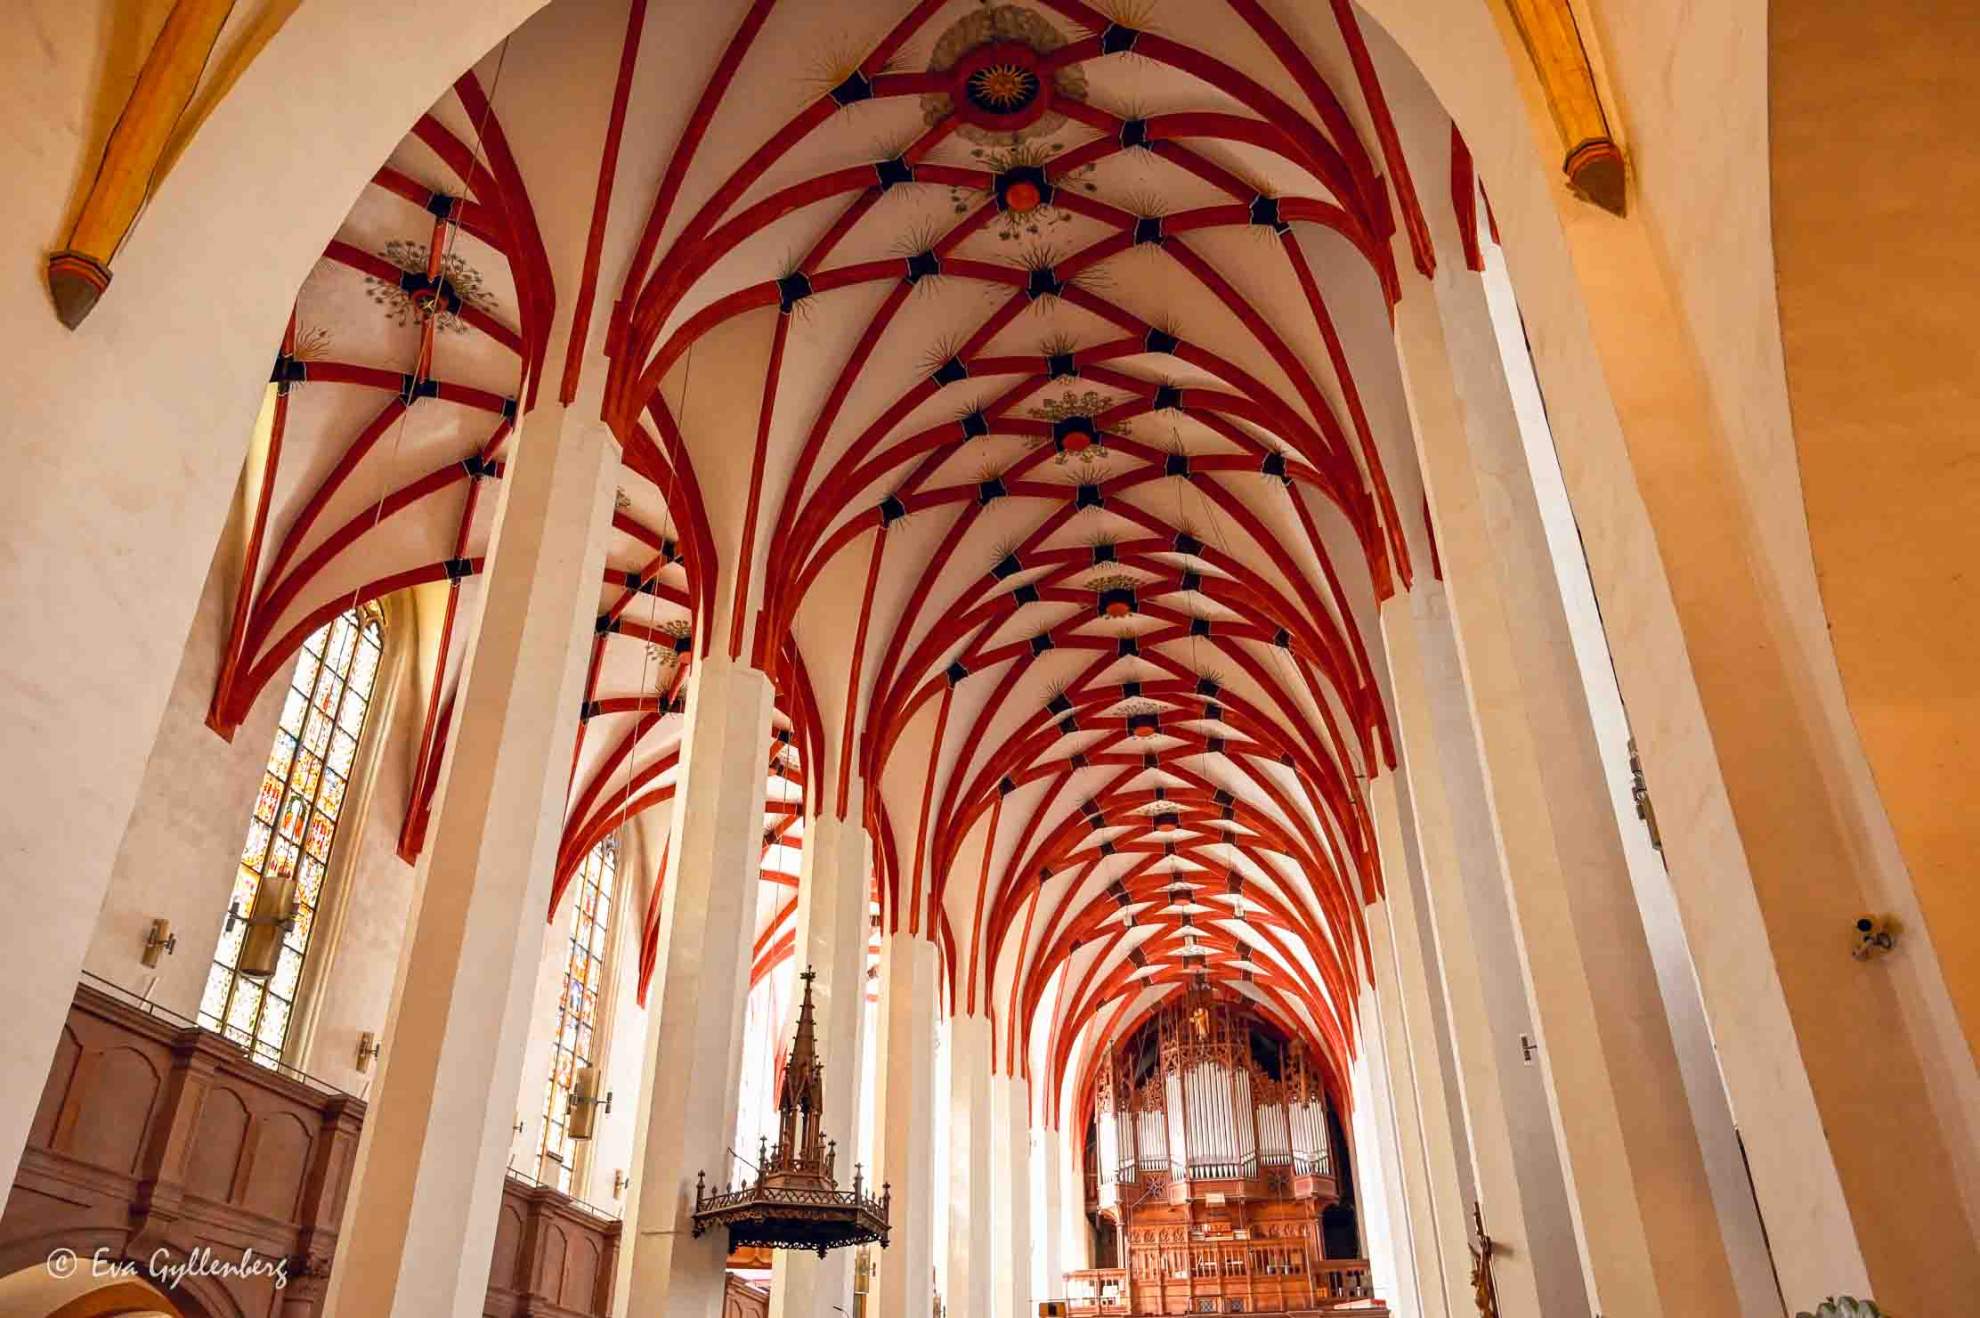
(331, 798)
(278, 759)
(256, 845)
(293, 706)
(295, 813)
(343, 749)
(309, 883)
(318, 841)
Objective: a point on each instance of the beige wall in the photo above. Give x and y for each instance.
(177, 857)
(1874, 188)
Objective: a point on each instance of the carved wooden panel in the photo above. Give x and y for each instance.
(508, 1243)
(219, 1142)
(109, 1110)
(279, 1158)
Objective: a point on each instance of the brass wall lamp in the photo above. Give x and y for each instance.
(159, 941)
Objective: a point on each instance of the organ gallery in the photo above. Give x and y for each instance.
(1214, 1168)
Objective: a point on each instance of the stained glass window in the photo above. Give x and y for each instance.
(575, 1045)
(293, 824)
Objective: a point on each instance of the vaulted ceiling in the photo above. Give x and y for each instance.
(981, 373)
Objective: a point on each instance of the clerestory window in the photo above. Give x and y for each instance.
(279, 881)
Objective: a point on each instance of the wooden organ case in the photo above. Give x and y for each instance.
(1212, 1168)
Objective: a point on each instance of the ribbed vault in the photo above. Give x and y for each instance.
(976, 378)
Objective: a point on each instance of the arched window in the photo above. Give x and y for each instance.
(575, 1046)
(291, 830)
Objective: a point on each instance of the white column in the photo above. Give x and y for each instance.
(687, 1104)
(1417, 983)
(832, 930)
(1075, 1233)
(1391, 1068)
(1646, 1217)
(1515, 1163)
(1047, 1170)
(909, 996)
(972, 1172)
(419, 1228)
(1010, 1182)
(1378, 1177)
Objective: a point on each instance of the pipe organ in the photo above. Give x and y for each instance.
(1210, 1107)
(1211, 1168)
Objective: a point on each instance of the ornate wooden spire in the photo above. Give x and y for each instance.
(802, 1150)
(795, 1201)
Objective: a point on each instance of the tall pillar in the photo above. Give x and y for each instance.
(1405, 1107)
(1378, 1172)
(832, 928)
(1010, 1181)
(975, 1269)
(419, 1227)
(1048, 1172)
(910, 992)
(1515, 1164)
(1076, 1235)
(1414, 981)
(688, 1093)
(1642, 1201)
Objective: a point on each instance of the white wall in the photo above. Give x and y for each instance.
(178, 857)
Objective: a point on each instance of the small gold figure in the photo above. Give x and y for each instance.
(1482, 1291)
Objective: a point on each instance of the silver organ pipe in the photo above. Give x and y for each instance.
(1152, 1138)
(1274, 1131)
(1126, 1164)
(1107, 1165)
(1308, 1121)
(1244, 1120)
(1172, 1085)
(1107, 1120)
(1201, 1106)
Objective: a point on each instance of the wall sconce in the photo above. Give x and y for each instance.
(273, 914)
(581, 1113)
(161, 941)
(1874, 936)
(368, 1048)
(619, 1181)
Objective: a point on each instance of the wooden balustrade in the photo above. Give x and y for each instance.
(554, 1256)
(1097, 1291)
(1222, 1277)
(159, 1145)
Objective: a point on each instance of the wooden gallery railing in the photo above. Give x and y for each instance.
(1218, 1276)
(160, 1145)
